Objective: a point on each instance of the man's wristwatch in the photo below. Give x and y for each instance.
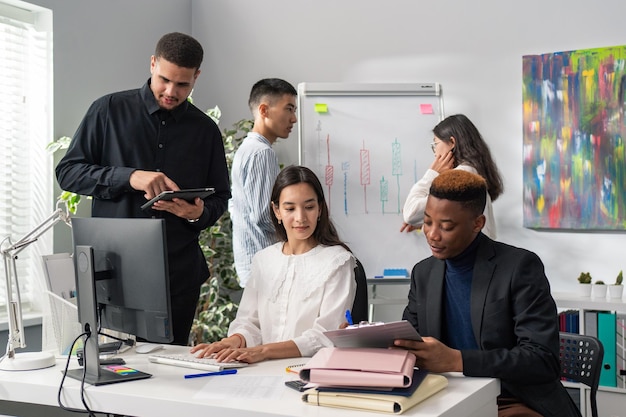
(193, 220)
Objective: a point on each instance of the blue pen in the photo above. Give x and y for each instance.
(224, 372)
(349, 317)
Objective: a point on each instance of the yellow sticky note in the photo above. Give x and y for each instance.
(426, 108)
(321, 108)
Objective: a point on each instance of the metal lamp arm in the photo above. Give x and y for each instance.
(9, 255)
(32, 236)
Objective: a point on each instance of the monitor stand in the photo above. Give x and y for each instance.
(112, 375)
(93, 372)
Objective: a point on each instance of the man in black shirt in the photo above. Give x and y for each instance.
(132, 145)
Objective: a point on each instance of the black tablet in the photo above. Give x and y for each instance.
(188, 195)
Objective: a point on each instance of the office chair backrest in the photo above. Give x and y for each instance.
(361, 304)
(581, 361)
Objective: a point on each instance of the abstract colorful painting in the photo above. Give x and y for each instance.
(574, 130)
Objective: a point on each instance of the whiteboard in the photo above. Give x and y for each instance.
(368, 144)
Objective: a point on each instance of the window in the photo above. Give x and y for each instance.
(25, 129)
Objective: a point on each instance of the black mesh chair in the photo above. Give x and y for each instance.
(581, 361)
(360, 306)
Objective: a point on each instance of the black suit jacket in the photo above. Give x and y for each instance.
(514, 320)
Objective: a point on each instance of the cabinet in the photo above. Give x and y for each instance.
(611, 401)
(396, 297)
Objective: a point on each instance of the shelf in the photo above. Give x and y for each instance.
(612, 389)
(573, 300)
(578, 385)
(383, 300)
(388, 281)
(612, 397)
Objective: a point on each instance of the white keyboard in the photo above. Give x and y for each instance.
(190, 361)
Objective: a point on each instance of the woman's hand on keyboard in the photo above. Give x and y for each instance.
(211, 350)
(208, 350)
(248, 355)
(222, 351)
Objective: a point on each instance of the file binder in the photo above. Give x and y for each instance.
(360, 367)
(606, 334)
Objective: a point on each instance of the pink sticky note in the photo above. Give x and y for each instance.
(426, 108)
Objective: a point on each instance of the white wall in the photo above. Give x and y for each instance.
(475, 52)
(474, 49)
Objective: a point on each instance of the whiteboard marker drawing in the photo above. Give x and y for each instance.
(365, 121)
(396, 166)
(318, 129)
(330, 170)
(384, 192)
(345, 167)
(365, 172)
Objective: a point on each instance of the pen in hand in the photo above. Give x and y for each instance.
(224, 372)
(349, 317)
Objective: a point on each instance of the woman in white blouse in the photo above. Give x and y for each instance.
(299, 287)
(457, 145)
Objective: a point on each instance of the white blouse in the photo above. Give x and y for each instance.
(415, 203)
(296, 297)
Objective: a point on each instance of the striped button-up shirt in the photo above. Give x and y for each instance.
(254, 170)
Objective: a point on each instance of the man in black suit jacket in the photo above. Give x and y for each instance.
(484, 308)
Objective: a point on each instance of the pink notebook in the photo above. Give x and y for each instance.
(360, 367)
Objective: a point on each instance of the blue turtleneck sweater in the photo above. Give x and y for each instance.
(458, 290)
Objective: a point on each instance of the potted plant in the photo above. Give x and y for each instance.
(599, 289)
(584, 284)
(616, 289)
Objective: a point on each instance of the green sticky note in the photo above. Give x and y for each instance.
(321, 108)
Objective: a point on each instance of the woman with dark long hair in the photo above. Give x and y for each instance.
(299, 287)
(457, 145)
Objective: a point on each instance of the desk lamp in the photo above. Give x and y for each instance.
(24, 361)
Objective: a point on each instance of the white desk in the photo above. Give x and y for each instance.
(167, 393)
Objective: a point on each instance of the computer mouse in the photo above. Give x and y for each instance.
(148, 348)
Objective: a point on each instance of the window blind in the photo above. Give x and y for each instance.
(25, 129)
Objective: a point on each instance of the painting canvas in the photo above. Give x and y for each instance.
(574, 130)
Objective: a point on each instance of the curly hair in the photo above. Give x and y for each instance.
(465, 187)
(180, 49)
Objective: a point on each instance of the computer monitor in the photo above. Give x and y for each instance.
(122, 283)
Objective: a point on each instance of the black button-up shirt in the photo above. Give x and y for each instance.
(127, 131)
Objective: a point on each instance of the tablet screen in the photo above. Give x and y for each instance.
(189, 195)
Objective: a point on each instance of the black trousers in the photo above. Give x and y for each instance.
(183, 311)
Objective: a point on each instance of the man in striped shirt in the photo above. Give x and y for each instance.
(254, 170)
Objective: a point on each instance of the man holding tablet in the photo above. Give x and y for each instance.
(133, 145)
